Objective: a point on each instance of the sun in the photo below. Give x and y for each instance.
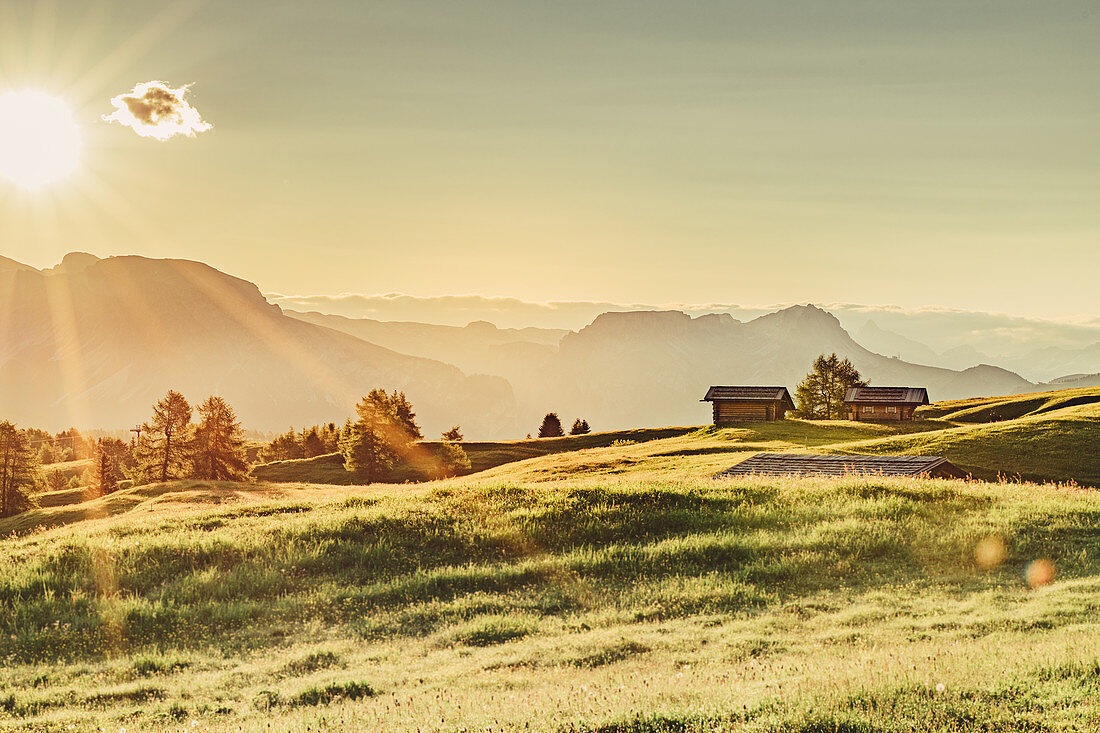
(39, 140)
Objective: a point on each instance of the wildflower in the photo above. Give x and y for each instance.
(940, 687)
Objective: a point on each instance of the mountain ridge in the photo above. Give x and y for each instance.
(109, 336)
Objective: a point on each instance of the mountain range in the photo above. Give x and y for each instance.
(94, 342)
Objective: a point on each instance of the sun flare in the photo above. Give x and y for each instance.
(39, 139)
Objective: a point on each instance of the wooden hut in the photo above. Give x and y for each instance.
(882, 404)
(797, 464)
(743, 404)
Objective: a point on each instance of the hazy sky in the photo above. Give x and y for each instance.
(885, 151)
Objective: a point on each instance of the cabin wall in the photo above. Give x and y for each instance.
(729, 411)
(879, 413)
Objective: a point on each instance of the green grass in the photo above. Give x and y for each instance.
(329, 469)
(606, 585)
(1055, 440)
(1048, 436)
(623, 603)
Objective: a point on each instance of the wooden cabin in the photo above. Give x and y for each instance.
(746, 404)
(884, 404)
(797, 464)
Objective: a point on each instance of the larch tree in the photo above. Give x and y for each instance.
(164, 448)
(452, 459)
(382, 434)
(820, 394)
(219, 453)
(312, 443)
(551, 426)
(110, 462)
(18, 471)
(56, 481)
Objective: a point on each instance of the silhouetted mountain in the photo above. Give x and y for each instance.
(651, 368)
(636, 368)
(95, 342)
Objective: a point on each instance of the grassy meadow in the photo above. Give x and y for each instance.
(613, 588)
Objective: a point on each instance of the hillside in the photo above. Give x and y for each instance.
(625, 603)
(1038, 437)
(1045, 436)
(95, 342)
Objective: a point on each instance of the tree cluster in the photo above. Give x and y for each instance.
(385, 437)
(551, 427)
(821, 393)
(18, 470)
(68, 445)
(310, 442)
(170, 446)
(382, 435)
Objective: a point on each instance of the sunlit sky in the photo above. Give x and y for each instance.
(884, 151)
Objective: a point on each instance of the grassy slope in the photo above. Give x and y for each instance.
(572, 591)
(565, 603)
(1042, 437)
(329, 469)
(1047, 436)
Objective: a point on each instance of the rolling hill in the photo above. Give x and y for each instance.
(611, 589)
(1045, 436)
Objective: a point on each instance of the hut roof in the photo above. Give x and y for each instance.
(750, 394)
(888, 395)
(797, 464)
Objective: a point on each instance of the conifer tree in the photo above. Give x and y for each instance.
(580, 427)
(110, 462)
(18, 471)
(164, 448)
(312, 444)
(219, 443)
(383, 433)
(56, 481)
(551, 426)
(452, 459)
(454, 435)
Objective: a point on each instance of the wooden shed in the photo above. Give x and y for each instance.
(743, 404)
(882, 404)
(797, 464)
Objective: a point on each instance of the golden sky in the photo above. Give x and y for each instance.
(880, 151)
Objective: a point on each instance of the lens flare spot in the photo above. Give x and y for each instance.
(990, 552)
(1039, 572)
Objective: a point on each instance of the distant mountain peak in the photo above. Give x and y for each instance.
(74, 262)
(801, 317)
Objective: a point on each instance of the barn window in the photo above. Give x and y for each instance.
(891, 408)
(868, 408)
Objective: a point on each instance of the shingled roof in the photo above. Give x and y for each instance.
(888, 395)
(797, 464)
(750, 394)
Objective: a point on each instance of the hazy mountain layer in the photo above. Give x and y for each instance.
(94, 342)
(649, 368)
(479, 347)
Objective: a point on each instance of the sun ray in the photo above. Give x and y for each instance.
(40, 41)
(93, 82)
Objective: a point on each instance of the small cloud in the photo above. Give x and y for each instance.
(154, 109)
